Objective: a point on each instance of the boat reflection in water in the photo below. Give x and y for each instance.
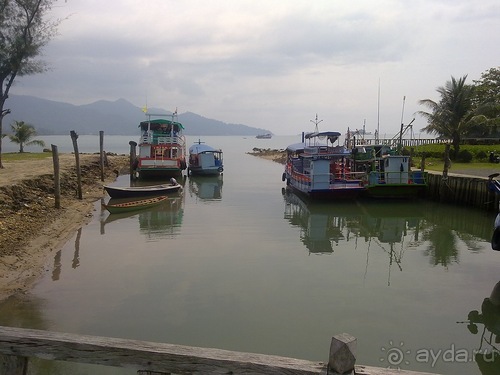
(206, 188)
(322, 224)
(391, 226)
(487, 355)
(157, 222)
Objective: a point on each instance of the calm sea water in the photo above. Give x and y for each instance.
(238, 263)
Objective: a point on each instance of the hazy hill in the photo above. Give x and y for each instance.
(118, 117)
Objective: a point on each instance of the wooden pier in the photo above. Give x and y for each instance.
(17, 345)
(461, 190)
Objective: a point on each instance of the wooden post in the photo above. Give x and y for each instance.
(13, 365)
(422, 163)
(57, 177)
(133, 158)
(101, 153)
(342, 353)
(74, 137)
(447, 161)
(446, 167)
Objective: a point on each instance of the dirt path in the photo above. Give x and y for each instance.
(31, 228)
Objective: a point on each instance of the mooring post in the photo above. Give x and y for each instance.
(101, 153)
(74, 137)
(57, 178)
(133, 158)
(342, 354)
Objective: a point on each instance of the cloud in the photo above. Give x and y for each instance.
(269, 64)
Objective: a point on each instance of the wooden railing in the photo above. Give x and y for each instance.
(395, 142)
(18, 344)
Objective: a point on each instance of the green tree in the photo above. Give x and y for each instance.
(24, 32)
(23, 135)
(453, 114)
(487, 101)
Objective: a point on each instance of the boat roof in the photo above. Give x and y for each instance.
(199, 148)
(159, 123)
(332, 136)
(296, 147)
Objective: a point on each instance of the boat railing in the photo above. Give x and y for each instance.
(163, 140)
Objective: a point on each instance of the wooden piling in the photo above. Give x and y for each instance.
(133, 158)
(74, 138)
(57, 177)
(101, 153)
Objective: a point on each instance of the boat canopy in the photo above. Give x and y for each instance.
(296, 147)
(199, 148)
(332, 136)
(160, 123)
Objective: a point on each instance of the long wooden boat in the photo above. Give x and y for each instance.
(134, 205)
(320, 170)
(142, 191)
(205, 160)
(162, 148)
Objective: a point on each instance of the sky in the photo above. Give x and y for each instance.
(272, 64)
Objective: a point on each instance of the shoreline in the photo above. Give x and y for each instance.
(31, 228)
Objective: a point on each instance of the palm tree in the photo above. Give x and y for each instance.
(23, 134)
(453, 114)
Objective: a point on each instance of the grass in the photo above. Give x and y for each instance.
(434, 163)
(18, 156)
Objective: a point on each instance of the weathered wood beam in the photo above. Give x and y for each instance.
(21, 343)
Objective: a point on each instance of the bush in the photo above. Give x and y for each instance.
(464, 156)
(481, 155)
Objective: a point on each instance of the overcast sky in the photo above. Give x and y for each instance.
(272, 64)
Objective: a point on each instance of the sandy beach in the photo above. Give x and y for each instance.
(31, 228)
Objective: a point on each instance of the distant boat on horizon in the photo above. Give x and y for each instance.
(264, 136)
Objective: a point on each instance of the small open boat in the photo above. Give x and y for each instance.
(142, 191)
(134, 205)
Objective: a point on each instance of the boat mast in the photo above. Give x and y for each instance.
(316, 122)
(400, 143)
(378, 113)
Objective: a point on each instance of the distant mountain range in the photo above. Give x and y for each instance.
(114, 118)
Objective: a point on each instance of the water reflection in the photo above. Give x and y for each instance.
(157, 222)
(206, 188)
(393, 226)
(488, 352)
(323, 225)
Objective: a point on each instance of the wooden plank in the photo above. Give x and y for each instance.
(142, 355)
(158, 357)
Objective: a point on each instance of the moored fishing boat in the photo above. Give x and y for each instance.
(162, 148)
(205, 160)
(388, 174)
(142, 191)
(133, 205)
(320, 170)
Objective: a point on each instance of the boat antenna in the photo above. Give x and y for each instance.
(400, 143)
(378, 112)
(316, 122)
